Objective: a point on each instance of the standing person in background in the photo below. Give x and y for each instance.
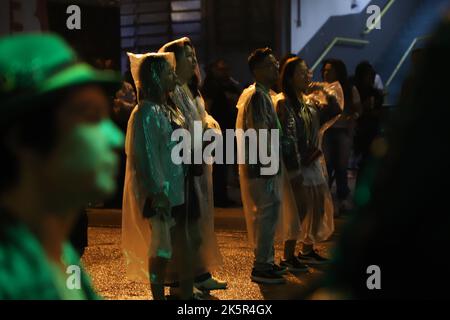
(210, 256)
(58, 149)
(155, 205)
(401, 211)
(368, 124)
(261, 194)
(123, 104)
(417, 57)
(221, 94)
(188, 99)
(303, 119)
(338, 139)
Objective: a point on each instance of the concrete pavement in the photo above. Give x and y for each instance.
(105, 263)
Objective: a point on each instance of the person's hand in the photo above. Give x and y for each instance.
(117, 103)
(331, 99)
(117, 106)
(316, 86)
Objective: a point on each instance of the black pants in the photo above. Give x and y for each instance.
(79, 234)
(337, 148)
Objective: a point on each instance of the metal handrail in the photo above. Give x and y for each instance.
(405, 55)
(333, 43)
(377, 20)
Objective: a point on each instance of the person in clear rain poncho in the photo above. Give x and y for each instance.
(260, 190)
(189, 100)
(306, 110)
(155, 203)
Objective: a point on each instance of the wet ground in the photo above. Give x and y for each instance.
(104, 261)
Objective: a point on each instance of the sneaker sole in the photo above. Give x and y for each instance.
(313, 262)
(281, 273)
(202, 288)
(267, 281)
(293, 270)
(199, 297)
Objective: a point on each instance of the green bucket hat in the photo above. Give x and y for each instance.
(34, 65)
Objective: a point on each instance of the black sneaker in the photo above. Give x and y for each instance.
(294, 265)
(312, 258)
(279, 270)
(267, 277)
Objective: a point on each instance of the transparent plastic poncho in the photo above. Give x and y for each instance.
(193, 108)
(150, 174)
(307, 210)
(274, 192)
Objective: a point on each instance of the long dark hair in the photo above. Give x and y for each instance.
(362, 70)
(287, 74)
(342, 77)
(150, 77)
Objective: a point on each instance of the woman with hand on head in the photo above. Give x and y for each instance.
(305, 110)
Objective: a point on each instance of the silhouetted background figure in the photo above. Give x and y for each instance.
(368, 124)
(338, 140)
(122, 104)
(221, 93)
(417, 57)
(402, 220)
(79, 235)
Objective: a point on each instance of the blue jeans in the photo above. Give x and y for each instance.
(265, 193)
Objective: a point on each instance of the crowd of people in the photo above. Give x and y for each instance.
(61, 151)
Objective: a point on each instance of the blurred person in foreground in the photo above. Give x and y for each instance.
(402, 215)
(58, 153)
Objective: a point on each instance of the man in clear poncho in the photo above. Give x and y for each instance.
(155, 203)
(188, 99)
(261, 194)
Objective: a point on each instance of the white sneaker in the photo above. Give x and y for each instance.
(196, 293)
(211, 284)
